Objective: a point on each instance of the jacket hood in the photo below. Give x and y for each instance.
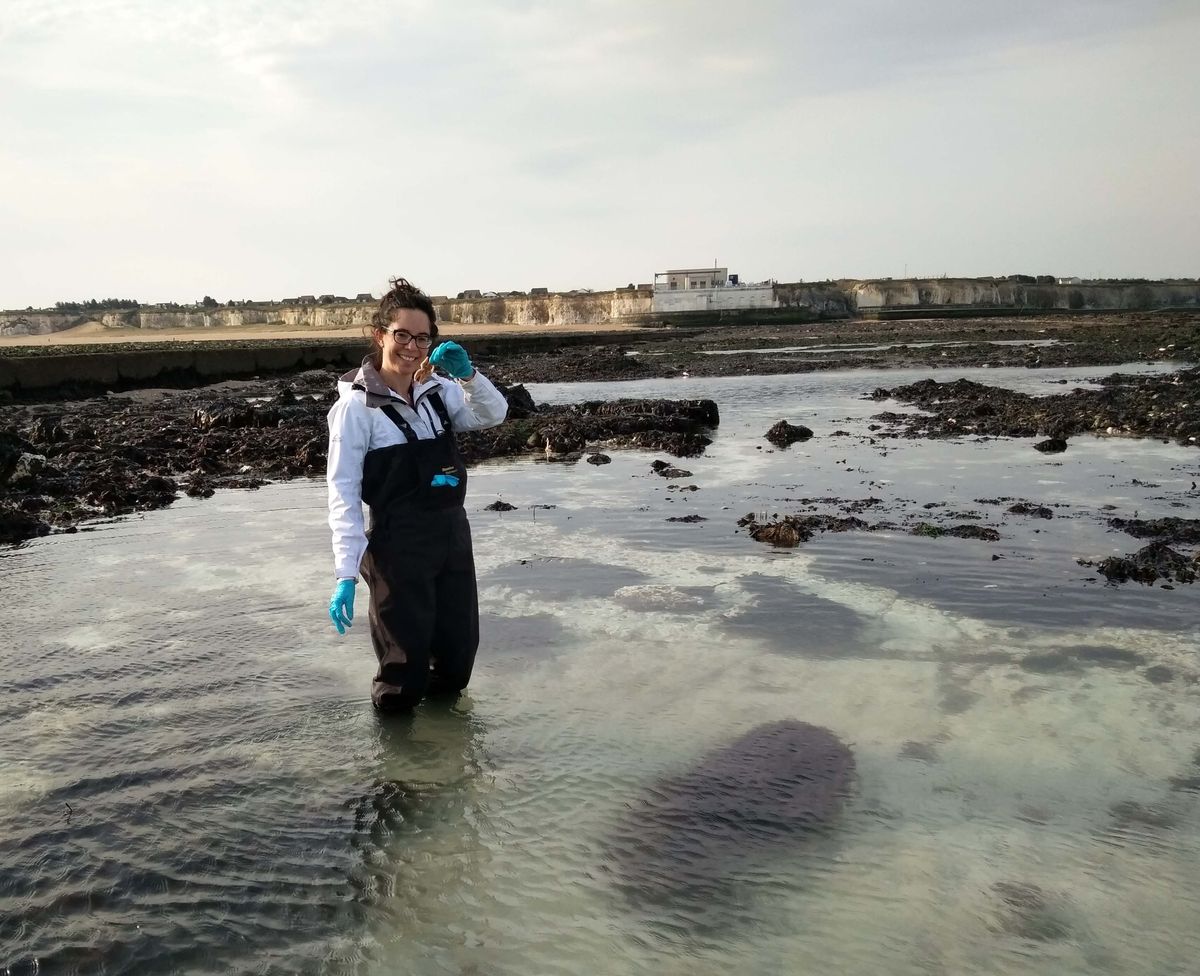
(376, 393)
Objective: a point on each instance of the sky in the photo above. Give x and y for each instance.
(257, 149)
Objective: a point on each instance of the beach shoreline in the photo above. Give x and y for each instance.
(90, 447)
(93, 333)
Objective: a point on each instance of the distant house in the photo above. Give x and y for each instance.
(470, 293)
(364, 297)
(307, 300)
(685, 279)
(707, 290)
(539, 291)
(1070, 281)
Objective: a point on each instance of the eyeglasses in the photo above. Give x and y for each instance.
(404, 338)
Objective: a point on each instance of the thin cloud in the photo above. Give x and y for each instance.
(251, 149)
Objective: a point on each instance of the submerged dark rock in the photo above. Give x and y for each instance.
(1132, 813)
(1076, 659)
(693, 835)
(1158, 674)
(1028, 912)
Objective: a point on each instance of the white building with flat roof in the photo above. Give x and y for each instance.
(686, 279)
(708, 290)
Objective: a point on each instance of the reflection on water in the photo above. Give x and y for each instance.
(191, 779)
(852, 347)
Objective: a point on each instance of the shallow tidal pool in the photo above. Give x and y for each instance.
(192, 779)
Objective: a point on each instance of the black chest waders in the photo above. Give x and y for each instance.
(424, 609)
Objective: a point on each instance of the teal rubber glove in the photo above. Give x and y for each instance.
(341, 605)
(453, 359)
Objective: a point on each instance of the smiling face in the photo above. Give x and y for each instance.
(403, 359)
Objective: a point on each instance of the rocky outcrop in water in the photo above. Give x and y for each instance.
(1158, 560)
(783, 434)
(62, 464)
(1150, 563)
(1162, 406)
(791, 530)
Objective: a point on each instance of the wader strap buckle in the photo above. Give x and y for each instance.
(405, 427)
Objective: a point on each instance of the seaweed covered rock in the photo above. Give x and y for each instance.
(695, 413)
(1051, 445)
(520, 401)
(962, 531)
(116, 455)
(1156, 405)
(1155, 561)
(665, 470)
(227, 412)
(784, 434)
(16, 525)
(791, 530)
(1177, 531)
(1028, 508)
(12, 449)
(560, 431)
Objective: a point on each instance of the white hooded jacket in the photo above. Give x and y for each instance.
(357, 426)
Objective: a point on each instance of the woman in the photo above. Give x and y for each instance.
(391, 445)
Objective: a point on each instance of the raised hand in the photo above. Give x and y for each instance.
(453, 359)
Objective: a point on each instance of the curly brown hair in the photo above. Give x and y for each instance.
(403, 294)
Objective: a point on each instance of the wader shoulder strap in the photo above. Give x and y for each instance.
(405, 427)
(435, 398)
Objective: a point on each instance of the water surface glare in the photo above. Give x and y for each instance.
(192, 780)
(858, 347)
